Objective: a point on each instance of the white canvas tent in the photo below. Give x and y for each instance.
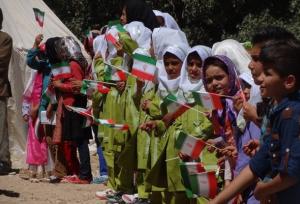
(20, 24)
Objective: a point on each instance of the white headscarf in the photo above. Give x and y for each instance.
(139, 33)
(169, 20)
(185, 84)
(255, 96)
(163, 38)
(234, 51)
(100, 46)
(172, 41)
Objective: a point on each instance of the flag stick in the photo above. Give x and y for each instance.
(100, 82)
(226, 96)
(188, 106)
(171, 159)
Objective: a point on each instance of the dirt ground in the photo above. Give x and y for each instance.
(14, 190)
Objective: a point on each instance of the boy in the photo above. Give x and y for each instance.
(279, 156)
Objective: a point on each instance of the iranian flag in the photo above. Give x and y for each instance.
(187, 169)
(82, 111)
(110, 38)
(49, 95)
(61, 71)
(204, 184)
(143, 67)
(88, 87)
(189, 145)
(208, 100)
(110, 123)
(39, 16)
(113, 74)
(175, 108)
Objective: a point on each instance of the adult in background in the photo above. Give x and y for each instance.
(5, 92)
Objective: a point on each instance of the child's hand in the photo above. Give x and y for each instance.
(145, 105)
(26, 118)
(119, 47)
(184, 157)
(251, 147)
(238, 102)
(210, 148)
(168, 119)
(38, 39)
(121, 86)
(229, 151)
(250, 113)
(148, 126)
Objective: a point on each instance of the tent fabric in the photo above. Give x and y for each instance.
(19, 22)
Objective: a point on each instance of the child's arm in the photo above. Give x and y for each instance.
(278, 183)
(240, 183)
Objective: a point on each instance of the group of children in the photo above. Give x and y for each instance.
(251, 135)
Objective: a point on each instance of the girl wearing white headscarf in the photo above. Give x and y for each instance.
(162, 174)
(167, 20)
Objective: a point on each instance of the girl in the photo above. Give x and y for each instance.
(219, 76)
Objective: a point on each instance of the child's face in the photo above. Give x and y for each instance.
(123, 17)
(255, 65)
(194, 68)
(217, 80)
(172, 65)
(272, 85)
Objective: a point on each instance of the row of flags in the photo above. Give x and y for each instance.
(91, 119)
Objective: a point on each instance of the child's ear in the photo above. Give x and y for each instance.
(290, 82)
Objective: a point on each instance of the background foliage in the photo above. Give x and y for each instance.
(204, 21)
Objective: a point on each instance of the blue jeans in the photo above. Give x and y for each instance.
(102, 162)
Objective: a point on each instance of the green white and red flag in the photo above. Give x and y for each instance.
(110, 38)
(81, 111)
(187, 169)
(49, 95)
(113, 74)
(88, 87)
(144, 67)
(110, 123)
(39, 16)
(189, 145)
(204, 184)
(208, 100)
(61, 71)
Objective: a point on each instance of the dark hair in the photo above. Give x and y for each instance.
(283, 57)
(1, 18)
(194, 55)
(265, 34)
(51, 51)
(215, 62)
(138, 10)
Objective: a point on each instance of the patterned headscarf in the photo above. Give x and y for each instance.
(234, 85)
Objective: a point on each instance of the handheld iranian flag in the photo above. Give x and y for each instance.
(112, 124)
(208, 100)
(88, 87)
(110, 38)
(61, 71)
(189, 145)
(39, 16)
(187, 169)
(113, 74)
(204, 184)
(49, 95)
(144, 67)
(81, 111)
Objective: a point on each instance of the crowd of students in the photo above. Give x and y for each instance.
(252, 137)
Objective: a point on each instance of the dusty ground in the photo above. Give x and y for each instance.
(14, 190)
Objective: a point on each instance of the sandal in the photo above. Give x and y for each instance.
(103, 195)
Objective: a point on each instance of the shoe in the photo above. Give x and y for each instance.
(5, 169)
(127, 198)
(142, 201)
(100, 180)
(67, 179)
(54, 179)
(77, 180)
(115, 198)
(102, 195)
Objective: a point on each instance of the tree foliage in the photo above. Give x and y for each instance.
(204, 21)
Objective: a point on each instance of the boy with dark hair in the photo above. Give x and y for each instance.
(279, 157)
